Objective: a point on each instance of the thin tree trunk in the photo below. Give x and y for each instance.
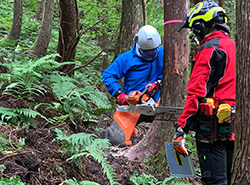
(222, 3)
(67, 32)
(175, 72)
(241, 161)
(41, 44)
(15, 30)
(133, 18)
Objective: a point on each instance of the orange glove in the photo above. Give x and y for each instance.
(121, 99)
(179, 141)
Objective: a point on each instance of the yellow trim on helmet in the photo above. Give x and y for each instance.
(197, 8)
(206, 17)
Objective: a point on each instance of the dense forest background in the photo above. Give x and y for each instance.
(54, 107)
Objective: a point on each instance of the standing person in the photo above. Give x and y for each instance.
(139, 67)
(210, 94)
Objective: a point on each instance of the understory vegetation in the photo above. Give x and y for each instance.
(34, 94)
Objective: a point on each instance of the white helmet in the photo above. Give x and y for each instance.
(148, 42)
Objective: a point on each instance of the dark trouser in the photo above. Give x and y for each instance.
(215, 162)
(144, 118)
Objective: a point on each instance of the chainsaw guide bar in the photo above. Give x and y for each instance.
(150, 108)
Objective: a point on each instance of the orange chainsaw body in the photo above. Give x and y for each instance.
(134, 97)
(124, 123)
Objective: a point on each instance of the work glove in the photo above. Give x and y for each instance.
(179, 141)
(121, 99)
(153, 87)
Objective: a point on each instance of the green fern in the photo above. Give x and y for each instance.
(24, 80)
(12, 180)
(17, 116)
(83, 144)
(99, 98)
(78, 101)
(62, 86)
(4, 143)
(74, 182)
(137, 179)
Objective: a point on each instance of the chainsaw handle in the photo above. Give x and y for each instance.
(142, 93)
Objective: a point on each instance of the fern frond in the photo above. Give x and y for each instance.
(7, 113)
(97, 155)
(58, 120)
(29, 113)
(99, 98)
(25, 115)
(74, 182)
(83, 144)
(61, 86)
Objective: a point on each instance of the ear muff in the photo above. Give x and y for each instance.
(219, 19)
(198, 28)
(135, 38)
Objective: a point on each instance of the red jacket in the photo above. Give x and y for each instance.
(213, 75)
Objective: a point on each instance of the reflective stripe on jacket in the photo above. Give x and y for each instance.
(213, 75)
(136, 71)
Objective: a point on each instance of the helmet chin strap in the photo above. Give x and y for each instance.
(137, 50)
(206, 32)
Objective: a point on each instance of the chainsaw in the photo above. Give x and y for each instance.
(142, 103)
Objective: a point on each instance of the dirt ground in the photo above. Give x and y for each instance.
(41, 162)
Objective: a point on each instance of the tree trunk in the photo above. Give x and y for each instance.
(193, 2)
(133, 18)
(241, 162)
(222, 3)
(173, 92)
(67, 32)
(15, 30)
(41, 44)
(39, 10)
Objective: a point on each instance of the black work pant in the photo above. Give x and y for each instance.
(144, 118)
(215, 162)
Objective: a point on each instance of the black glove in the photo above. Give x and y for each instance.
(179, 141)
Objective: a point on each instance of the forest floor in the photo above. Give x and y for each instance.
(41, 162)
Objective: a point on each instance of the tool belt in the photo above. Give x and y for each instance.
(215, 123)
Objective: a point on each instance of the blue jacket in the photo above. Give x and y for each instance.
(136, 71)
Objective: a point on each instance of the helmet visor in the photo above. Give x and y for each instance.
(184, 24)
(149, 54)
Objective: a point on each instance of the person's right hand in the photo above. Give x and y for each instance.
(179, 141)
(121, 99)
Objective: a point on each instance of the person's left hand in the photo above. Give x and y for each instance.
(152, 88)
(179, 141)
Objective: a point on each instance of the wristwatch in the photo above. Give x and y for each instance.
(117, 93)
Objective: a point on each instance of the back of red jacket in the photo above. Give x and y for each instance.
(213, 75)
